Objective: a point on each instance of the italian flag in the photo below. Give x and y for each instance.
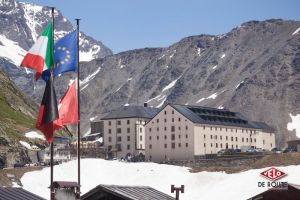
(40, 56)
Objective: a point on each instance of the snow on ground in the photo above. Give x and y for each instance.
(295, 124)
(214, 67)
(25, 144)
(223, 55)
(213, 96)
(153, 98)
(221, 107)
(162, 99)
(129, 79)
(93, 118)
(296, 31)
(84, 87)
(161, 57)
(34, 135)
(11, 50)
(127, 104)
(200, 100)
(202, 185)
(88, 55)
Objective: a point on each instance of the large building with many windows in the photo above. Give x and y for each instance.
(124, 131)
(185, 132)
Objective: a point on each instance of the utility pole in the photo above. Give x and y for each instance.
(177, 190)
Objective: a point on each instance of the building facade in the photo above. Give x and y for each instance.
(124, 131)
(180, 132)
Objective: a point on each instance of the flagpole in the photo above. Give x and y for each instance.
(78, 104)
(51, 147)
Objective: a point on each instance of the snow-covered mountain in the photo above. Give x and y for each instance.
(20, 25)
(253, 69)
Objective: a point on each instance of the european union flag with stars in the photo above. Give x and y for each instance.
(65, 55)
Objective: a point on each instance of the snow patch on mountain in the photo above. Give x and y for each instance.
(214, 67)
(90, 77)
(223, 55)
(296, 31)
(163, 99)
(199, 51)
(170, 85)
(11, 50)
(34, 135)
(213, 96)
(25, 144)
(294, 124)
(238, 85)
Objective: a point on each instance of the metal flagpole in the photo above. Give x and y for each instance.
(51, 147)
(78, 110)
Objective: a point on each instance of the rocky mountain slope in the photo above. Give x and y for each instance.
(253, 69)
(17, 113)
(20, 26)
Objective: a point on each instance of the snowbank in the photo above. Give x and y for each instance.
(34, 135)
(202, 185)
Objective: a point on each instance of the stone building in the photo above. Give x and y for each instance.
(185, 132)
(124, 131)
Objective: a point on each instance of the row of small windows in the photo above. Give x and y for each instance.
(109, 147)
(127, 122)
(172, 137)
(119, 139)
(173, 145)
(165, 120)
(226, 129)
(119, 130)
(172, 128)
(232, 138)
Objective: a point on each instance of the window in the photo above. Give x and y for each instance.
(232, 146)
(254, 139)
(141, 130)
(166, 146)
(119, 139)
(186, 127)
(172, 119)
(128, 130)
(179, 136)
(118, 130)
(128, 138)
(128, 146)
(226, 129)
(216, 137)
(231, 130)
(157, 128)
(119, 122)
(242, 130)
(204, 136)
(211, 128)
(236, 130)
(172, 111)
(109, 147)
(179, 128)
(263, 141)
(172, 128)
(179, 119)
(109, 139)
(109, 131)
(173, 145)
(150, 129)
(204, 145)
(247, 140)
(210, 136)
(203, 127)
(186, 144)
(109, 123)
(141, 138)
(236, 146)
(246, 130)
(179, 144)
(242, 139)
(221, 145)
(186, 135)
(211, 145)
(220, 137)
(165, 120)
(165, 137)
(220, 129)
(165, 112)
(157, 120)
(173, 137)
(141, 146)
(216, 145)
(165, 128)
(216, 128)
(250, 139)
(226, 137)
(128, 121)
(236, 139)
(150, 137)
(150, 147)
(157, 137)
(271, 144)
(231, 138)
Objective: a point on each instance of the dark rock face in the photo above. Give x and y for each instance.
(253, 69)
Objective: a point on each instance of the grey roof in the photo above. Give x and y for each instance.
(132, 112)
(207, 115)
(17, 194)
(128, 192)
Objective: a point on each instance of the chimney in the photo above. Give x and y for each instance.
(145, 104)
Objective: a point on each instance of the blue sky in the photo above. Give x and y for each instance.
(129, 24)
